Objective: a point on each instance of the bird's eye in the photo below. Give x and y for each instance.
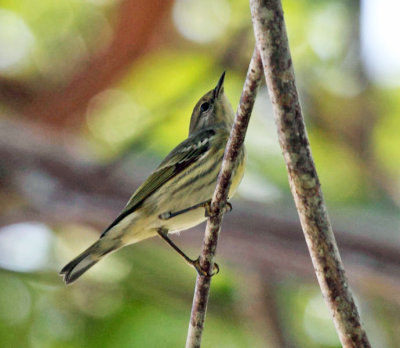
(204, 107)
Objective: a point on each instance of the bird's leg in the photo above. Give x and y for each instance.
(163, 233)
(169, 214)
(206, 205)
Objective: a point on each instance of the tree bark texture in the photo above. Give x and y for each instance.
(271, 39)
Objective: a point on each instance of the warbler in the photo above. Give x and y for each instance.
(176, 196)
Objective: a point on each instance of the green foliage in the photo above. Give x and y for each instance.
(386, 136)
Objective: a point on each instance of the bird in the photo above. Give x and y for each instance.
(177, 195)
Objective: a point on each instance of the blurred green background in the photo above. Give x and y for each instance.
(93, 94)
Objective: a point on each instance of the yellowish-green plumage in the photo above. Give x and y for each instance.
(185, 178)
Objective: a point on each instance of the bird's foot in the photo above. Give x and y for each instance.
(207, 207)
(196, 265)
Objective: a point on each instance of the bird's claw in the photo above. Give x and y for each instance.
(196, 265)
(207, 207)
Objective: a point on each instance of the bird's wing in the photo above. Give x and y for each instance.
(186, 153)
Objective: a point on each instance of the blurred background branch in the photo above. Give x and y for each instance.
(136, 29)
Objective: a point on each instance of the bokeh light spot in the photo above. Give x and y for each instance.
(318, 322)
(327, 30)
(114, 116)
(201, 21)
(379, 40)
(16, 39)
(25, 247)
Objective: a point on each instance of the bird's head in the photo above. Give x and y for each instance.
(213, 109)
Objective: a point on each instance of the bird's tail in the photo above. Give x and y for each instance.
(73, 270)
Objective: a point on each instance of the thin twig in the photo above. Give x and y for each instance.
(271, 38)
(235, 142)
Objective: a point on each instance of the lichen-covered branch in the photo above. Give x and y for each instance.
(271, 38)
(235, 142)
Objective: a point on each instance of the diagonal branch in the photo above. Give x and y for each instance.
(235, 142)
(271, 38)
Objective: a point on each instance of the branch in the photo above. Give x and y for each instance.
(235, 142)
(270, 33)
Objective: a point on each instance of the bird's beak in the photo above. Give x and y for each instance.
(219, 88)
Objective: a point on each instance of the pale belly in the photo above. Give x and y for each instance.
(137, 228)
(183, 221)
(140, 225)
